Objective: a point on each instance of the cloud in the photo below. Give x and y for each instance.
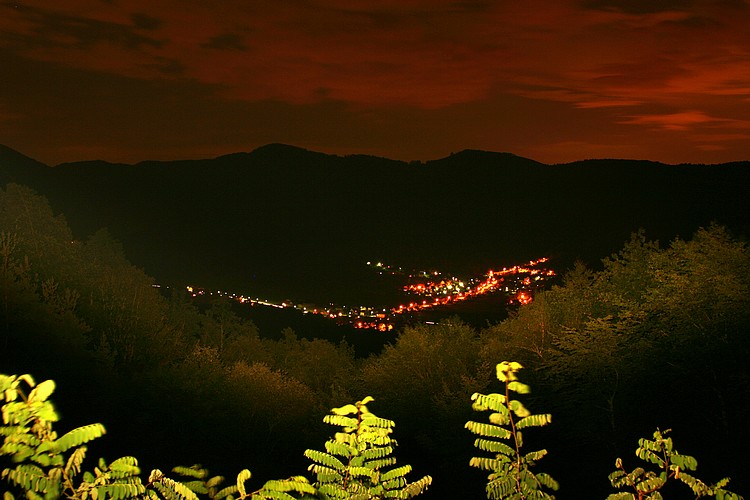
(637, 6)
(607, 103)
(225, 41)
(54, 29)
(672, 121)
(423, 53)
(684, 120)
(552, 68)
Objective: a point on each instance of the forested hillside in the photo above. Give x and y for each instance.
(657, 337)
(287, 223)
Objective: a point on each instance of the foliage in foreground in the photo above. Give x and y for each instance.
(510, 470)
(671, 465)
(47, 466)
(354, 463)
(357, 464)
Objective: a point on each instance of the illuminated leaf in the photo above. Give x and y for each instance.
(41, 392)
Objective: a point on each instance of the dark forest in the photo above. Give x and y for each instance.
(650, 333)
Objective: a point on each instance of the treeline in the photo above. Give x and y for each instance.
(657, 338)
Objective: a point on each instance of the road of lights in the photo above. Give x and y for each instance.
(446, 292)
(518, 283)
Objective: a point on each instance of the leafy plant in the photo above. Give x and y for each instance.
(646, 485)
(354, 465)
(48, 466)
(510, 475)
(199, 482)
(197, 479)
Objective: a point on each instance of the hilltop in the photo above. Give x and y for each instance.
(292, 223)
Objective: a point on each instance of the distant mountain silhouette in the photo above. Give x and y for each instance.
(15, 167)
(285, 222)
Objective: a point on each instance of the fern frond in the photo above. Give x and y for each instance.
(215, 481)
(120, 490)
(333, 490)
(493, 401)
(699, 487)
(273, 495)
(488, 430)
(379, 463)
(621, 496)
(324, 459)
(174, 490)
(78, 436)
(341, 449)
(547, 481)
(501, 487)
(509, 478)
(416, 488)
(243, 476)
(394, 484)
(18, 452)
(325, 475)
(41, 392)
(124, 467)
(397, 472)
(349, 409)
(518, 408)
(297, 484)
(361, 472)
(518, 387)
(494, 446)
(73, 466)
(197, 471)
(488, 464)
(533, 456)
(684, 462)
(198, 487)
(371, 420)
(373, 453)
(32, 479)
(341, 421)
(650, 484)
(225, 492)
(534, 421)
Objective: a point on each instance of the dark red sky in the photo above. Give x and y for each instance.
(552, 80)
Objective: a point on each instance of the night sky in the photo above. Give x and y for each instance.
(552, 80)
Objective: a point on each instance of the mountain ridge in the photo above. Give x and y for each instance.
(282, 217)
(276, 148)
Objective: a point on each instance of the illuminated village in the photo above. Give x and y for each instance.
(425, 290)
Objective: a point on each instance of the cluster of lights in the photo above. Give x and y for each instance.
(517, 281)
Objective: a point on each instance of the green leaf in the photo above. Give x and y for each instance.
(493, 401)
(484, 463)
(519, 409)
(242, 477)
(397, 472)
(41, 392)
(79, 435)
(197, 471)
(518, 387)
(684, 462)
(345, 410)
(534, 421)
(325, 459)
(494, 447)
(341, 421)
(488, 430)
(73, 466)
